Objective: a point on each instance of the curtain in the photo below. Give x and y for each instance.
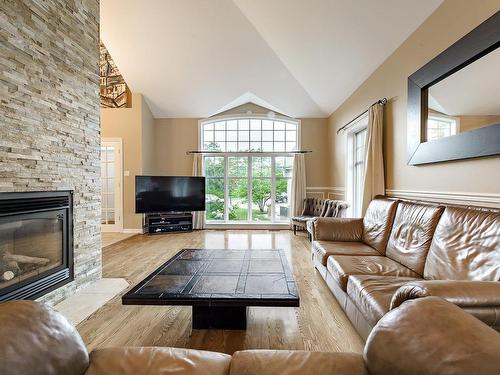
(198, 216)
(298, 193)
(373, 177)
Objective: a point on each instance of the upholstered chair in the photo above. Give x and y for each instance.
(313, 207)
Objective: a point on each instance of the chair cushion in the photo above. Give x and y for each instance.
(296, 362)
(372, 294)
(377, 223)
(465, 246)
(302, 219)
(157, 360)
(323, 249)
(342, 266)
(411, 234)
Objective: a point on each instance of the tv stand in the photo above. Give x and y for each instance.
(169, 222)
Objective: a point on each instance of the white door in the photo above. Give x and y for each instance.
(112, 185)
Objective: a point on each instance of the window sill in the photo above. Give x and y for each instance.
(246, 225)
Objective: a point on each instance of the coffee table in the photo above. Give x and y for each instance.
(219, 284)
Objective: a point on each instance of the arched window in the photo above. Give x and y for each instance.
(248, 164)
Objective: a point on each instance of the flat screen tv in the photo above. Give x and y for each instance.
(156, 194)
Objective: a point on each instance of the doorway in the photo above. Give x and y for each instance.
(112, 185)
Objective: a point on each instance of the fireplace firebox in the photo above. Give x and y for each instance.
(36, 243)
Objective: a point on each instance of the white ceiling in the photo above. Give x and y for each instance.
(192, 58)
(472, 91)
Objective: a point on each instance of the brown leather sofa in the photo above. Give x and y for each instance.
(423, 336)
(404, 250)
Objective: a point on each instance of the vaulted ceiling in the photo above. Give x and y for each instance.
(193, 58)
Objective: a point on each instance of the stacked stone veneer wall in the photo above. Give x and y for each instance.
(49, 114)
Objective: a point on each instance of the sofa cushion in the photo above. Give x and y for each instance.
(323, 249)
(465, 246)
(287, 362)
(372, 294)
(37, 340)
(377, 223)
(342, 266)
(411, 234)
(157, 360)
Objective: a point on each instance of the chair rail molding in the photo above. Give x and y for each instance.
(465, 198)
(329, 192)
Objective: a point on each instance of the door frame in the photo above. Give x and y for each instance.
(118, 226)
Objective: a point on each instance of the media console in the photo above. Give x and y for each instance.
(169, 222)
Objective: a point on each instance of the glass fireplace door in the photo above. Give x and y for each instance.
(31, 246)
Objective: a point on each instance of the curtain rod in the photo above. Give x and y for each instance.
(248, 152)
(381, 102)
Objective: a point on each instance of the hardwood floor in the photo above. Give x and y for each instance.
(319, 324)
(110, 238)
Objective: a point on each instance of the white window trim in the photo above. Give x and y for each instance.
(247, 224)
(359, 125)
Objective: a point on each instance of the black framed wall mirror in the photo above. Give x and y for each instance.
(454, 100)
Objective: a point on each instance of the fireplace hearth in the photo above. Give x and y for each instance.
(36, 243)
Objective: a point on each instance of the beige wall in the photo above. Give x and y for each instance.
(314, 137)
(173, 138)
(452, 20)
(147, 138)
(135, 127)
(474, 122)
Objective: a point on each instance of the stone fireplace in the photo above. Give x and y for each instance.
(36, 243)
(50, 138)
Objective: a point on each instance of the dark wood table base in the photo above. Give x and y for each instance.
(220, 317)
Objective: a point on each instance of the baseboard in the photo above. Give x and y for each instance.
(462, 198)
(133, 230)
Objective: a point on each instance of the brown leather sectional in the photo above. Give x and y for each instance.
(405, 250)
(35, 339)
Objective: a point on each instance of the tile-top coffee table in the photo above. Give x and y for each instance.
(219, 284)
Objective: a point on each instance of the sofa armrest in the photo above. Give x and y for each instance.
(463, 293)
(431, 336)
(338, 229)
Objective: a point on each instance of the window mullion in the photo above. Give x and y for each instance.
(226, 189)
(273, 189)
(249, 188)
